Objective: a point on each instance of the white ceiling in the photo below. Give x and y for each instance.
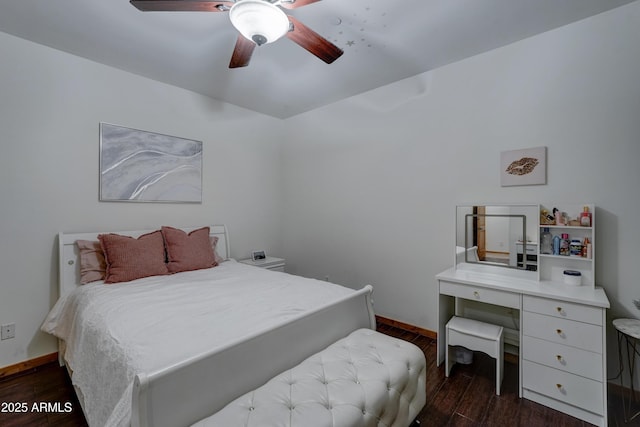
(384, 41)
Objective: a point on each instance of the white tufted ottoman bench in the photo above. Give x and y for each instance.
(365, 379)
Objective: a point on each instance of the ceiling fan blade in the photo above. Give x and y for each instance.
(242, 52)
(182, 5)
(292, 4)
(313, 42)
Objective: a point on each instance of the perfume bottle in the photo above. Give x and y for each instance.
(585, 217)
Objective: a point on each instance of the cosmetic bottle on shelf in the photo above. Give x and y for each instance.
(589, 252)
(546, 242)
(556, 245)
(585, 217)
(565, 245)
(575, 249)
(559, 217)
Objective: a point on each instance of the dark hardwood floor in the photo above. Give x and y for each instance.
(467, 398)
(46, 384)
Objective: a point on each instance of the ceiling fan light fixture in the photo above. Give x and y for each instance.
(259, 20)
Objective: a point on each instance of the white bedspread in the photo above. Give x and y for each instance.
(114, 331)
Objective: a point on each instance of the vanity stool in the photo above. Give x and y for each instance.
(478, 336)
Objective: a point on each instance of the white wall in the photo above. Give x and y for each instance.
(371, 182)
(50, 107)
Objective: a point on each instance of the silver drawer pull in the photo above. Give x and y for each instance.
(476, 294)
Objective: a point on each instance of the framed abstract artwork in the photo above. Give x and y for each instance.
(523, 167)
(140, 166)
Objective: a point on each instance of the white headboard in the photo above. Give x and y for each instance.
(69, 257)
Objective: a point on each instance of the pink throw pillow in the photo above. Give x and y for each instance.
(187, 252)
(92, 264)
(216, 255)
(128, 258)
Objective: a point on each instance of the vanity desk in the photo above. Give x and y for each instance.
(557, 330)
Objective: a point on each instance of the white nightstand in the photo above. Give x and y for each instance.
(270, 263)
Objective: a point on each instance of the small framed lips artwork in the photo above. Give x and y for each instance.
(523, 167)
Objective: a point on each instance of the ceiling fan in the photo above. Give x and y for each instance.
(258, 21)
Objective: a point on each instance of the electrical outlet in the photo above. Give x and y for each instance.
(8, 331)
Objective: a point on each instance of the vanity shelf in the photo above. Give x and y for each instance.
(551, 267)
(564, 258)
(567, 227)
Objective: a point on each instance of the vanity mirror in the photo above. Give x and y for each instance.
(499, 235)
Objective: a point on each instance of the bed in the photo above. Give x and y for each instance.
(170, 350)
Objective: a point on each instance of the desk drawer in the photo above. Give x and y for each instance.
(480, 294)
(563, 386)
(562, 309)
(531, 249)
(562, 331)
(559, 356)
